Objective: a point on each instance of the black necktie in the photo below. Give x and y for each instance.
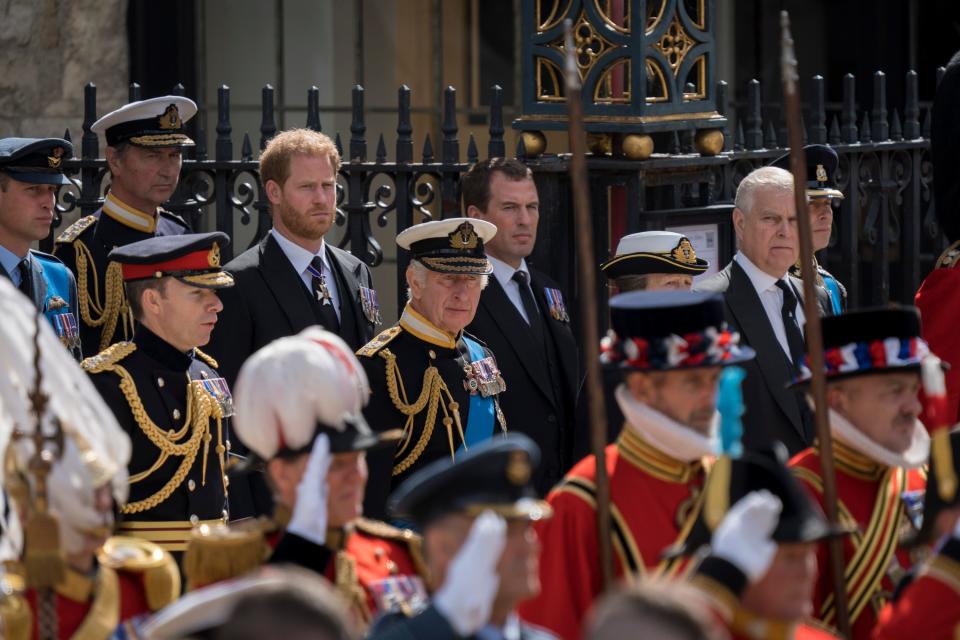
(26, 278)
(529, 306)
(789, 314)
(321, 294)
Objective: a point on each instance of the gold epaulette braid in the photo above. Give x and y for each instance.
(201, 407)
(211, 362)
(433, 388)
(114, 297)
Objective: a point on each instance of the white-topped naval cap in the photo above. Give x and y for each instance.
(649, 252)
(155, 122)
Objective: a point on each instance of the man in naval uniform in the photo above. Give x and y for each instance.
(669, 347)
(30, 173)
(144, 142)
(822, 195)
(165, 392)
(429, 378)
(84, 581)
(872, 359)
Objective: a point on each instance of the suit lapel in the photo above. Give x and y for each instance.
(511, 324)
(350, 295)
(561, 334)
(285, 284)
(752, 318)
(39, 288)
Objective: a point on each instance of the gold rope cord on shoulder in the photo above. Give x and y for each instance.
(347, 583)
(429, 398)
(115, 299)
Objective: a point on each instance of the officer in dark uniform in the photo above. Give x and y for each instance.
(30, 174)
(822, 193)
(144, 141)
(428, 377)
(477, 515)
(165, 392)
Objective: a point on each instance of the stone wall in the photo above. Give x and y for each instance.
(49, 49)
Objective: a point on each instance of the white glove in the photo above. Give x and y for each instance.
(466, 597)
(743, 537)
(309, 518)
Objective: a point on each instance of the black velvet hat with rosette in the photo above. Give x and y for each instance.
(667, 330)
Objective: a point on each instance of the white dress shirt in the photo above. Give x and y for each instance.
(771, 297)
(300, 258)
(504, 275)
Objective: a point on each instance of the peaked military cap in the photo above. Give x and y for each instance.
(822, 164)
(157, 122)
(494, 475)
(453, 245)
(663, 330)
(654, 252)
(878, 340)
(731, 479)
(35, 160)
(192, 258)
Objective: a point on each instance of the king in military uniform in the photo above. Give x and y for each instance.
(872, 361)
(428, 377)
(312, 442)
(165, 392)
(669, 348)
(144, 141)
(31, 171)
(74, 580)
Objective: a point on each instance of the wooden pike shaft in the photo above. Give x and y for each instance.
(588, 297)
(813, 334)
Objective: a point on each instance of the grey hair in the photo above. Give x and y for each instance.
(419, 275)
(771, 178)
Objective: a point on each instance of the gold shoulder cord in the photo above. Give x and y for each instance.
(104, 614)
(201, 407)
(433, 388)
(115, 299)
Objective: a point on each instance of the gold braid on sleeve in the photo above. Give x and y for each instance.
(115, 304)
(430, 394)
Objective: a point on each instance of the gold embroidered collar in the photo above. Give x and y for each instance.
(655, 462)
(855, 463)
(128, 215)
(419, 326)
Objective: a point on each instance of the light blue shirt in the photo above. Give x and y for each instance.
(10, 261)
(300, 258)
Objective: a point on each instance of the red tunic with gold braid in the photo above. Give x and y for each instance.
(940, 307)
(929, 607)
(869, 501)
(653, 497)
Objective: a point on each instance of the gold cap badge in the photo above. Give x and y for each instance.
(464, 237)
(821, 173)
(684, 252)
(171, 118)
(54, 159)
(518, 468)
(214, 256)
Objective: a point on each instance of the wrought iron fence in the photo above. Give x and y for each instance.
(885, 237)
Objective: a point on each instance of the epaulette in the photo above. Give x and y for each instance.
(209, 360)
(161, 576)
(108, 357)
(223, 552)
(410, 538)
(172, 216)
(73, 232)
(949, 258)
(381, 340)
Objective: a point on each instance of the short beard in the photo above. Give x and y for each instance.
(298, 225)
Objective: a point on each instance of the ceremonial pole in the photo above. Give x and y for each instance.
(812, 332)
(588, 298)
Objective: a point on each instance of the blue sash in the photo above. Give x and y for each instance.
(834, 291)
(480, 418)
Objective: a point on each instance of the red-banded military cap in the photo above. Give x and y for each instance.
(193, 258)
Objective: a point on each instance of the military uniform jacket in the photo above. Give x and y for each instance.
(269, 301)
(158, 396)
(543, 382)
(836, 293)
(653, 499)
(939, 307)
(133, 578)
(869, 501)
(54, 292)
(418, 384)
(929, 607)
(104, 316)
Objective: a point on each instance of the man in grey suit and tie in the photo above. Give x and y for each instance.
(764, 303)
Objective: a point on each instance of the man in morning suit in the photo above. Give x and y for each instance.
(30, 174)
(522, 316)
(144, 154)
(764, 304)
